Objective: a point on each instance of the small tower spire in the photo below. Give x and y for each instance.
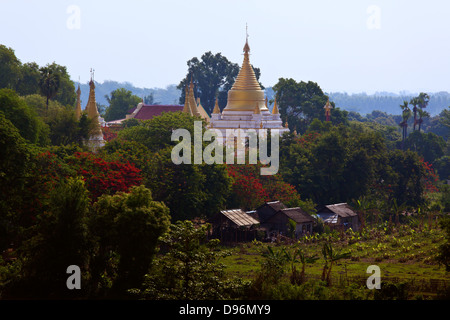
(275, 107)
(78, 106)
(328, 108)
(216, 107)
(186, 108)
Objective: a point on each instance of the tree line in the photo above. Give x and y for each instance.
(61, 204)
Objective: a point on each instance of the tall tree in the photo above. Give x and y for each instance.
(406, 114)
(9, 68)
(120, 101)
(29, 81)
(301, 102)
(49, 83)
(423, 99)
(213, 76)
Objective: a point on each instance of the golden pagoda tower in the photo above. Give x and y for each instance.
(96, 135)
(78, 107)
(191, 99)
(246, 89)
(186, 107)
(247, 105)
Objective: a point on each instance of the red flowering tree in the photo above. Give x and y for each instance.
(250, 189)
(430, 177)
(102, 176)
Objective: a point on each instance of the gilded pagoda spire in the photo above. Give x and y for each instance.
(78, 107)
(246, 90)
(275, 107)
(191, 99)
(91, 107)
(216, 107)
(186, 108)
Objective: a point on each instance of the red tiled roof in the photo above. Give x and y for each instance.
(148, 111)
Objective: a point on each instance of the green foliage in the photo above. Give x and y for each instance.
(302, 102)
(135, 222)
(9, 68)
(189, 190)
(442, 167)
(189, 268)
(29, 80)
(156, 133)
(331, 256)
(444, 249)
(22, 116)
(14, 168)
(55, 83)
(120, 101)
(60, 239)
(428, 145)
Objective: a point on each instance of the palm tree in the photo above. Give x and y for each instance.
(415, 103)
(406, 114)
(423, 99)
(48, 83)
(331, 257)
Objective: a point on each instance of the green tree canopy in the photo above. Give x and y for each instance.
(9, 68)
(428, 145)
(301, 102)
(134, 222)
(65, 88)
(120, 101)
(30, 126)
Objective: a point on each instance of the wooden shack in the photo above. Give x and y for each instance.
(234, 226)
(267, 210)
(280, 220)
(339, 216)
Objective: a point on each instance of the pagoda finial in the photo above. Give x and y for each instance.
(186, 108)
(246, 46)
(216, 107)
(275, 107)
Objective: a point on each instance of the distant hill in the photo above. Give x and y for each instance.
(387, 102)
(169, 95)
(360, 102)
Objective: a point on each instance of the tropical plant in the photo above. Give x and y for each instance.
(331, 257)
(49, 83)
(295, 257)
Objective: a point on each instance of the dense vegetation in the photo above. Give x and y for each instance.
(127, 215)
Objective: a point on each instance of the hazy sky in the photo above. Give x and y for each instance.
(350, 46)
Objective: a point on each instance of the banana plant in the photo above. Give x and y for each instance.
(296, 257)
(331, 257)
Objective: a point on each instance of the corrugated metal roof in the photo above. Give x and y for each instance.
(239, 217)
(341, 209)
(298, 215)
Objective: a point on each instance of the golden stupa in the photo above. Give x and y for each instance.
(246, 91)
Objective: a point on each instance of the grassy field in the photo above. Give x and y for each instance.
(403, 254)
